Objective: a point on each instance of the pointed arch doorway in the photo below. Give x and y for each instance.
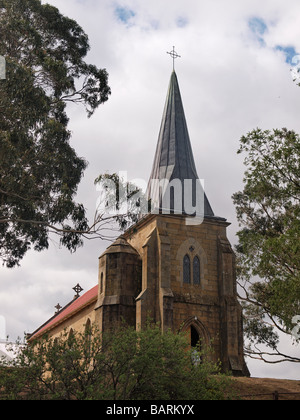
(196, 332)
(195, 337)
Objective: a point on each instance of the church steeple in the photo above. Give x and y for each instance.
(174, 158)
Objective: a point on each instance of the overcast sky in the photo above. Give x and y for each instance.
(234, 75)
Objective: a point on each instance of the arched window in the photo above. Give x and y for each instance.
(196, 271)
(101, 284)
(186, 270)
(88, 335)
(71, 334)
(71, 338)
(88, 327)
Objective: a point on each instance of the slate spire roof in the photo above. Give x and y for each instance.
(174, 156)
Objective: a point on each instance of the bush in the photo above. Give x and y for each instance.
(123, 364)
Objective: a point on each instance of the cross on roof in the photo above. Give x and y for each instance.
(77, 289)
(58, 307)
(174, 55)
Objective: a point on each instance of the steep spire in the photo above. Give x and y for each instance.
(174, 158)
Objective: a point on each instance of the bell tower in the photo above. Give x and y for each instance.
(188, 267)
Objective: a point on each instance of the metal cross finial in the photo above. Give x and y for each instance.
(58, 307)
(174, 55)
(77, 289)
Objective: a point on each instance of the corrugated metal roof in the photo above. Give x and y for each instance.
(69, 310)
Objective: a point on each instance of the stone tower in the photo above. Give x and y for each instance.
(170, 268)
(119, 284)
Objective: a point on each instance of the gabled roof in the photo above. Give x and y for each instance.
(69, 310)
(174, 156)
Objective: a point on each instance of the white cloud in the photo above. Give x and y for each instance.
(230, 83)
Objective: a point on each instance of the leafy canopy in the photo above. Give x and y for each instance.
(122, 364)
(39, 170)
(268, 210)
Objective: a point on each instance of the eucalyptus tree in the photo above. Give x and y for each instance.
(268, 210)
(45, 69)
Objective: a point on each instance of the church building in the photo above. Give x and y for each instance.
(168, 267)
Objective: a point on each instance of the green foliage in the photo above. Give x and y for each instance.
(39, 170)
(122, 364)
(268, 210)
